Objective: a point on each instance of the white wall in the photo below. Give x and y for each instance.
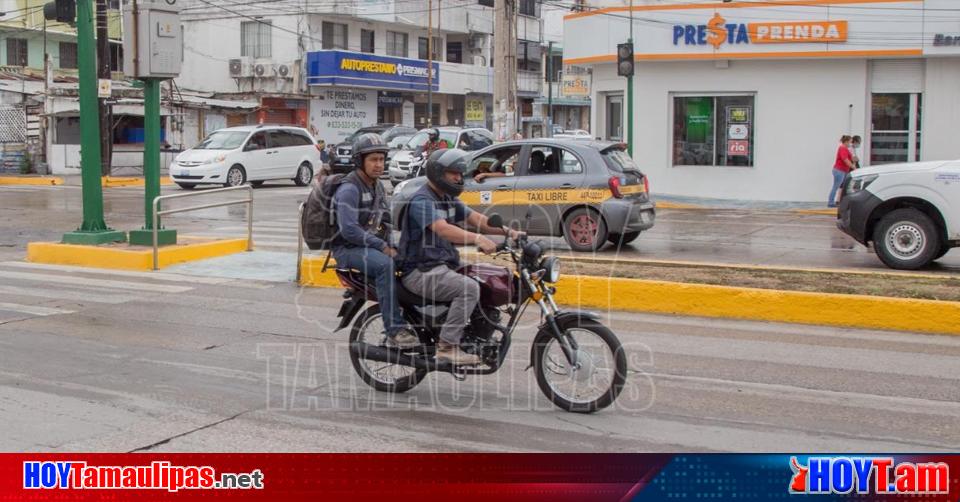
(801, 110)
(941, 110)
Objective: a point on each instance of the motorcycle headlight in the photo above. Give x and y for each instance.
(860, 183)
(552, 267)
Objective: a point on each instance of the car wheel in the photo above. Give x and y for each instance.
(584, 230)
(304, 175)
(906, 239)
(944, 249)
(256, 184)
(236, 176)
(187, 186)
(624, 238)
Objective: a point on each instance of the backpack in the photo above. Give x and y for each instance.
(319, 220)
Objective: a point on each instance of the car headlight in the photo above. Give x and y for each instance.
(552, 267)
(394, 164)
(859, 183)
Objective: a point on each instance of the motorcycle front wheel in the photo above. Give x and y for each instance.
(599, 377)
(383, 376)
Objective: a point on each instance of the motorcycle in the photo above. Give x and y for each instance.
(579, 363)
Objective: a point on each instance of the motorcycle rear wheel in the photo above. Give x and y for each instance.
(385, 377)
(602, 360)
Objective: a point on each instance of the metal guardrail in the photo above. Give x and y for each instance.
(157, 213)
(300, 241)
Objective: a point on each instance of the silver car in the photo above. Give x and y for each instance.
(589, 192)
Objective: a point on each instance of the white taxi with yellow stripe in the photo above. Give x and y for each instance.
(588, 192)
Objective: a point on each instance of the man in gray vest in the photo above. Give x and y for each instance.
(430, 259)
(360, 204)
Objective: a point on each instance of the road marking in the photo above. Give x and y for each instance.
(89, 281)
(62, 294)
(123, 273)
(33, 310)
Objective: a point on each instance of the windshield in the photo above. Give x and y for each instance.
(619, 160)
(222, 140)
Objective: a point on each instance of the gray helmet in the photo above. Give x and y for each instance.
(442, 161)
(367, 143)
(433, 133)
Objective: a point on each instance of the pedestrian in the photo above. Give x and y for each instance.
(841, 167)
(855, 151)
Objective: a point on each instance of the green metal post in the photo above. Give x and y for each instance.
(151, 168)
(630, 113)
(94, 229)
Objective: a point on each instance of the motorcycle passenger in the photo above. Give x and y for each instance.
(360, 203)
(430, 260)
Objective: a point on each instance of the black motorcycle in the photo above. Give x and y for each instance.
(579, 363)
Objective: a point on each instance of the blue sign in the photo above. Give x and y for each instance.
(347, 69)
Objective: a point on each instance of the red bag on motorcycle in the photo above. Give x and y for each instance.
(496, 283)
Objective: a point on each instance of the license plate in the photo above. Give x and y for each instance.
(184, 172)
(645, 217)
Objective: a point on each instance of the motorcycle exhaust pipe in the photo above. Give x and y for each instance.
(394, 356)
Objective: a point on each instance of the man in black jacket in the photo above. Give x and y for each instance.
(360, 203)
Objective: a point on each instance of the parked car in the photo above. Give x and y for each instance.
(910, 212)
(590, 193)
(573, 134)
(464, 138)
(236, 155)
(341, 158)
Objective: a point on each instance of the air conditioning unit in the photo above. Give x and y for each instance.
(240, 67)
(284, 71)
(475, 42)
(263, 70)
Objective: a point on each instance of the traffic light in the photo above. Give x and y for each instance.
(62, 11)
(625, 59)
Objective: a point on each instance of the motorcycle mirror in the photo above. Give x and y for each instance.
(495, 220)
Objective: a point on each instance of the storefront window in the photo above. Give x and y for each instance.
(892, 128)
(713, 131)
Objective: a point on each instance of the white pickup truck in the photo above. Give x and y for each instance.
(911, 212)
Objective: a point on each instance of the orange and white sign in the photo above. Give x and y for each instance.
(798, 32)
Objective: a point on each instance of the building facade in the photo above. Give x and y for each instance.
(735, 101)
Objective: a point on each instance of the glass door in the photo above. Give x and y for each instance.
(614, 109)
(895, 128)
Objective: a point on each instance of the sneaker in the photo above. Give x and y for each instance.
(456, 356)
(404, 338)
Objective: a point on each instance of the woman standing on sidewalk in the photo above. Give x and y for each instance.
(841, 166)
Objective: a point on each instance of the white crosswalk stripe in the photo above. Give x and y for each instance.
(32, 309)
(90, 281)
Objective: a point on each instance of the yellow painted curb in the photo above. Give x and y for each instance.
(124, 257)
(824, 212)
(129, 181)
(30, 180)
(824, 309)
(677, 205)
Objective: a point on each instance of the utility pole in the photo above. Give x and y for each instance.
(430, 63)
(103, 72)
(550, 80)
(630, 92)
(505, 69)
(93, 230)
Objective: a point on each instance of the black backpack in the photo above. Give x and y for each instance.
(319, 220)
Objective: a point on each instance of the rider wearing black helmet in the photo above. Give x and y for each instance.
(430, 260)
(433, 143)
(360, 204)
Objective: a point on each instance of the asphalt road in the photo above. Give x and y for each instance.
(130, 361)
(751, 237)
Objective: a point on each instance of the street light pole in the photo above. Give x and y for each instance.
(94, 229)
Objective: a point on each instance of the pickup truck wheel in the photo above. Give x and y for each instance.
(906, 239)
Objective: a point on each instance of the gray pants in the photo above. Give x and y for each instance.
(444, 285)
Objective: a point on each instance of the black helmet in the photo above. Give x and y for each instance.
(367, 143)
(442, 161)
(433, 133)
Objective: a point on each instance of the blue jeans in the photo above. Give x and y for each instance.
(838, 177)
(380, 268)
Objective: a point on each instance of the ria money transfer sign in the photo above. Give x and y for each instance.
(355, 69)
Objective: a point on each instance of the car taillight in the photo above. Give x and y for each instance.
(646, 184)
(614, 184)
